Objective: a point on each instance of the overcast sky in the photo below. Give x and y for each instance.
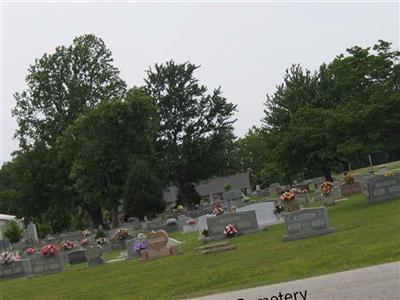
(242, 47)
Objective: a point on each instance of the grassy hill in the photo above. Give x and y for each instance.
(366, 235)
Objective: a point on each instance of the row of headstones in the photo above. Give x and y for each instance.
(39, 265)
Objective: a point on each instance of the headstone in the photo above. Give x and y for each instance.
(76, 256)
(44, 265)
(302, 198)
(31, 234)
(317, 181)
(245, 222)
(130, 247)
(383, 188)
(264, 213)
(382, 170)
(15, 269)
(350, 189)
(93, 255)
(305, 223)
(233, 195)
(157, 246)
(273, 187)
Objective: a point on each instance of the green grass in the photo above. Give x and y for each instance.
(392, 166)
(366, 235)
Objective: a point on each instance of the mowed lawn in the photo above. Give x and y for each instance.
(366, 235)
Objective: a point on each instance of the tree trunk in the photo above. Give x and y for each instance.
(327, 174)
(114, 217)
(96, 215)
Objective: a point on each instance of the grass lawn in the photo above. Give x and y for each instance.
(366, 235)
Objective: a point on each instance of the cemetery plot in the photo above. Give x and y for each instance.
(306, 223)
(245, 222)
(383, 188)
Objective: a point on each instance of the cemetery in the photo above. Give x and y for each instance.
(112, 189)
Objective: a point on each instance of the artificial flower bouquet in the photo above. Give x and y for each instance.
(120, 234)
(230, 230)
(326, 188)
(49, 250)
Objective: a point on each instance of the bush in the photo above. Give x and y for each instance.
(13, 233)
(99, 234)
(43, 230)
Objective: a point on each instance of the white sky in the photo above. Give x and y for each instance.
(243, 47)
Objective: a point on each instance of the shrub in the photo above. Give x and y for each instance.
(13, 233)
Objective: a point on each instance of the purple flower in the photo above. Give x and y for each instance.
(139, 246)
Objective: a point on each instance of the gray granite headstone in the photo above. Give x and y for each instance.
(302, 198)
(93, 255)
(130, 247)
(305, 223)
(264, 213)
(76, 256)
(383, 188)
(232, 195)
(44, 265)
(245, 222)
(15, 269)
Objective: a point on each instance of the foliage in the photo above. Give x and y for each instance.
(196, 127)
(99, 234)
(143, 191)
(227, 187)
(43, 229)
(13, 233)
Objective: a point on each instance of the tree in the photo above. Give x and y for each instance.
(62, 85)
(102, 144)
(13, 233)
(143, 192)
(196, 128)
(315, 123)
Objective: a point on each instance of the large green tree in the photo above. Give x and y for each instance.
(196, 127)
(102, 145)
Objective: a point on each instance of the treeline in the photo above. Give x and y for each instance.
(90, 145)
(328, 120)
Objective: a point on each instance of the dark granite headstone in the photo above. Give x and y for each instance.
(232, 195)
(306, 223)
(76, 256)
(350, 189)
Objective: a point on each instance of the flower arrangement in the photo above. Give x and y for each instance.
(389, 173)
(86, 233)
(30, 251)
(218, 210)
(6, 258)
(49, 250)
(141, 235)
(179, 207)
(348, 178)
(287, 196)
(230, 230)
(101, 241)
(67, 245)
(139, 246)
(326, 188)
(191, 221)
(120, 234)
(84, 242)
(205, 233)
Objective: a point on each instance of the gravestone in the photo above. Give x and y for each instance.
(31, 234)
(264, 213)
(233, 195)
(302, 198)
(15, 269)
(244, 221)
(130, 247)
(76, 256)
(45, 265)
(317, 181)
(263, 193)
(273, 188)
(383, 188)
(157, 246)
(305, 223)
(93, 255)
(350, 189)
